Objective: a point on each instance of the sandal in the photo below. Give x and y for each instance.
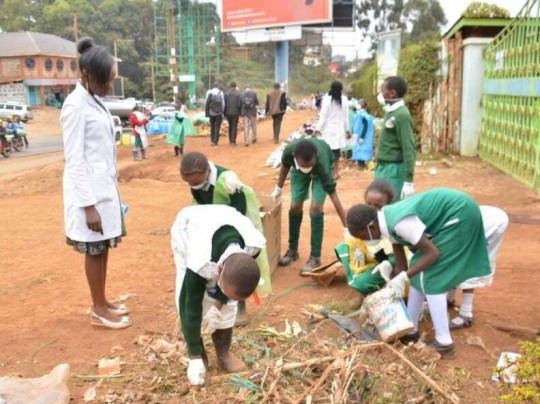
(121, 310)
(460, 321)
(99, 321)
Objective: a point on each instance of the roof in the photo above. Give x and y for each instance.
(476, 22)
(25, 43)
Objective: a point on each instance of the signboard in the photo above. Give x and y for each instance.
(186, 78)
(388, 49)
(239, 15)
(288, 33)
(343, 16)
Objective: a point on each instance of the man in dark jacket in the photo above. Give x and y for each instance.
(233, 106)
(215, 104)
(276, 104)
(249, 112)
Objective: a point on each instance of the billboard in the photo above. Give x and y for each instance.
(238, 15)
(388, 50)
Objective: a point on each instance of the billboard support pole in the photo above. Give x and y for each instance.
(281, 66)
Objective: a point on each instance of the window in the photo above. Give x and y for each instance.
(30, 63)
(10, 107)
(48, 64)
(18, 108)
(1, 106)
(60, 65)
(73, 65)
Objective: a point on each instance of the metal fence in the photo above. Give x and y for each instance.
(511, 98)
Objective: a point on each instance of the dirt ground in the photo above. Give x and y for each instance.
(44, 296)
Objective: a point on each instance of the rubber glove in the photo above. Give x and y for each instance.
(360, 140)
(407, 190)
(398, 284)
(384, 269)
(276, 193)
(212, 320)
(196, 372)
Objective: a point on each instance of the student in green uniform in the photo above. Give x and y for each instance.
(396, 153)
(180, 128)
(312, 162)
(214, 248)
(444, 227)
(213, 184)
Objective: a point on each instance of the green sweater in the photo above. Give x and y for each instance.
(323, 167)
(238, 199)
(397, 141)
(194, 287)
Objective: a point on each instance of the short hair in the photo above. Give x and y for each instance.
(383, 187)
(359, 216)
(95, 60)
(277, 86)
(243, 274)
(305, 150)
(233, 84)
(194, 163)
(398, 84)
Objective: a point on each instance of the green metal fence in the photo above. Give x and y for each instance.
(511, 98)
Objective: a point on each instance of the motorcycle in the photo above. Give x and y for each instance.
(17, 142)
(6, 145)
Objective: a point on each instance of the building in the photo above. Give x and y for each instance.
(36, 68)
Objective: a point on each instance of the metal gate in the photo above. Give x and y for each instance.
(511, 98)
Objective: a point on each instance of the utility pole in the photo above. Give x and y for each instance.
(115, 60)
(172, 56)
(75, 28)
(153, 80)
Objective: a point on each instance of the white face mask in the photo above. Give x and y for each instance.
(305, 170)
(380, 99)
(200, 186)
(372, 241)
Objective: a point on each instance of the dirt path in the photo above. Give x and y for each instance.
(43, 291)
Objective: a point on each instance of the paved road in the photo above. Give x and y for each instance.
(39, 146)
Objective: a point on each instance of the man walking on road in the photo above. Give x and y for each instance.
(249, 112)
(215, 104)
(276, 104)
(233, 106)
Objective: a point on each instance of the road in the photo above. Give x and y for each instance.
(40, 146)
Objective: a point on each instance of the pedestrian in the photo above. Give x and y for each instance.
(3, 140)
(311, 161)
(445, 230)
(214, 108)
(180, 128)
(214, 248)
(20, 129)
(93, 212)
(396, 154)
(276, 105)
(333, 122)
(211, 184)
(250, 102)
(233, 108)
(363, 135)
(138, 122)
(354, 107)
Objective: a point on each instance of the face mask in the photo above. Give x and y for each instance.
(372, 241)
(305, 170)
(200, 186)
(380, 99)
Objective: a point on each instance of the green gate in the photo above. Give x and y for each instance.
(511, 98)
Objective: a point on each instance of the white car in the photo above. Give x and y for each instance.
(10, 109)
(164, 112)
(117, 128)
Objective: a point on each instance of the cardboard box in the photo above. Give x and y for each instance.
(271, 221)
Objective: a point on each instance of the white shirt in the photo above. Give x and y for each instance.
(334, 122)
(410, 228)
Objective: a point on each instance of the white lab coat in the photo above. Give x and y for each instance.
(90, 167)
(334, 122)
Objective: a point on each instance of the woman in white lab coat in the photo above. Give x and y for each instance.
(334, 122)
(92, 207)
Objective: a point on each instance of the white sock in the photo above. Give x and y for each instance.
(466, 305)
(414, 306)
(451, 295)
(439, 316)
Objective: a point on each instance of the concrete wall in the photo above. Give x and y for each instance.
(471, 111)
(13, 92)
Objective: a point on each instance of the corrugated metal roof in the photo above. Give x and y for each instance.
(27, 43)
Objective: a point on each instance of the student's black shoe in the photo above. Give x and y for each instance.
(414, 337)
(444, 350)
(312, 263)
(451, 304)
(290, 256)
(460, 321)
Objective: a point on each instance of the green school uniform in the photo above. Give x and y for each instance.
(396, 152)
(244, 201)
(180, 128)
(454, 224)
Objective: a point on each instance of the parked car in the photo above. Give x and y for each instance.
(163, 112)
(9, 109)
(117, 127)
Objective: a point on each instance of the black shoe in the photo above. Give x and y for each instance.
(290, 256)
(451, 304)
(407, 339)
(444, 350)
(313, 262)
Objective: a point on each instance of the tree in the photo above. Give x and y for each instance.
(479, 9)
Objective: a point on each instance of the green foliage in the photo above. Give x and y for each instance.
(364, 86)
(307, 80)
(527, 390)
(478, 9)
(418, 65)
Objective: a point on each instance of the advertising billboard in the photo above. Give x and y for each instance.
(238, 15)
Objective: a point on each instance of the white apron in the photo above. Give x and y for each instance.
(141, 130)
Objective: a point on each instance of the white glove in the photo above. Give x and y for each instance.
(276, 193)
(196, 372)
(407, 190)
(360, 140)
(384, 269)
(398, 284)
(212, 320)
